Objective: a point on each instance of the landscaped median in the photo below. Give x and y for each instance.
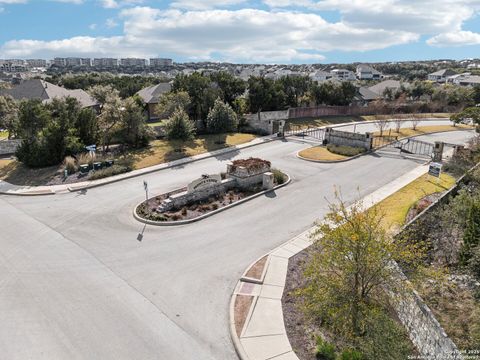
(244, 180)
(330, 153)
(259, 327)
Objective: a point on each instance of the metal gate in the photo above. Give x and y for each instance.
(412, 146)
(312, 133)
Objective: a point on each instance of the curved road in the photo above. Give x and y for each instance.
(76, 283)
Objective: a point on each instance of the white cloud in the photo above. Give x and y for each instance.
(109, 4)
(111, 23)
(113, 4)
(204, 4)
(92, 26)
(248, 35)
(459, 38)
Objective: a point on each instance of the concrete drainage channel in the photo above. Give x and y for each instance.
(213, 212)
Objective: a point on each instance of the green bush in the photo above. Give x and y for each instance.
(345, 150)
(351, 354)
(111, 171)
(179, 126)
(279, 176)
(221, 118)
(325, 350)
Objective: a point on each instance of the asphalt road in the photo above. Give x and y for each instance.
(76, 283)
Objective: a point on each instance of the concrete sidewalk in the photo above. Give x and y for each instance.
(10, 189)
(263, 335)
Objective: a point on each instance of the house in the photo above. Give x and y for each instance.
(380, 88)
(366, 72)
(320, 76)
(45, 91)
(467, 80)
(365, 95)
(343, 74)
(441, 76)
(150, 96)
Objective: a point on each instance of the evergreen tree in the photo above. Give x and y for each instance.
(221, 118)
(179, 126)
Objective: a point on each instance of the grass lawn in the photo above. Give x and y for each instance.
(161, 151)
(320, 153)
(158, 152)
(16, 173)
(421, 130)
(423, 115)
(158, 123)
(396, 206)
(304, 123)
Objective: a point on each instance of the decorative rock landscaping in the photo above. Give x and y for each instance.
(244, 179)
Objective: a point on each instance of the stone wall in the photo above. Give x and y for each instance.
(9, 146)
(345, 138)
(424, 330)
(263, 121)
(181, 199)
(245, 178)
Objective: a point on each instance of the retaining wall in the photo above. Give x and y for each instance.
(345, 138)
(9, 146)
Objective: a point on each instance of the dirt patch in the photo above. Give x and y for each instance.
(256, 271)
(421, 205)
(241, 308)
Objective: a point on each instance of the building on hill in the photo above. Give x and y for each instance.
(343, 74)
(441, 76)
(160, 62)
(45, 91)
(366, 72)
(150, 96)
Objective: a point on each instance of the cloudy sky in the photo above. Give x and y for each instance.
(247, 31)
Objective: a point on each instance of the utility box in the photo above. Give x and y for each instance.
(109, 163)
(97, 165)
(84, 168)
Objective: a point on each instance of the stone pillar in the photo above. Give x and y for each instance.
(267, 181)
(368, 141)
(438, 151)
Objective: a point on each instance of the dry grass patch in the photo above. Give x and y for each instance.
(422, 130)
(161, 151)
(396, 206)
(320, 153)
(16, 173)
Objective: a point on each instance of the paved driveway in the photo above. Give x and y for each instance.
(75, 283)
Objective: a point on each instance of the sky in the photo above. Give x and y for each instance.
(242, 31)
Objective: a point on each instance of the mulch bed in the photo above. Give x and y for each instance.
(421, 205)
(148, 210)
(300, 333)
(256, 271)
(241, 308)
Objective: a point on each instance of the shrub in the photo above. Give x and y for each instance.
(179, 126)
(70, 165)
(351, 354)
(111, 171)
(279, 177)
(85, 158)
(184, 211)
(345, 150)
(474, 263)
(214, 206)
(221, 118)
(325, 350)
